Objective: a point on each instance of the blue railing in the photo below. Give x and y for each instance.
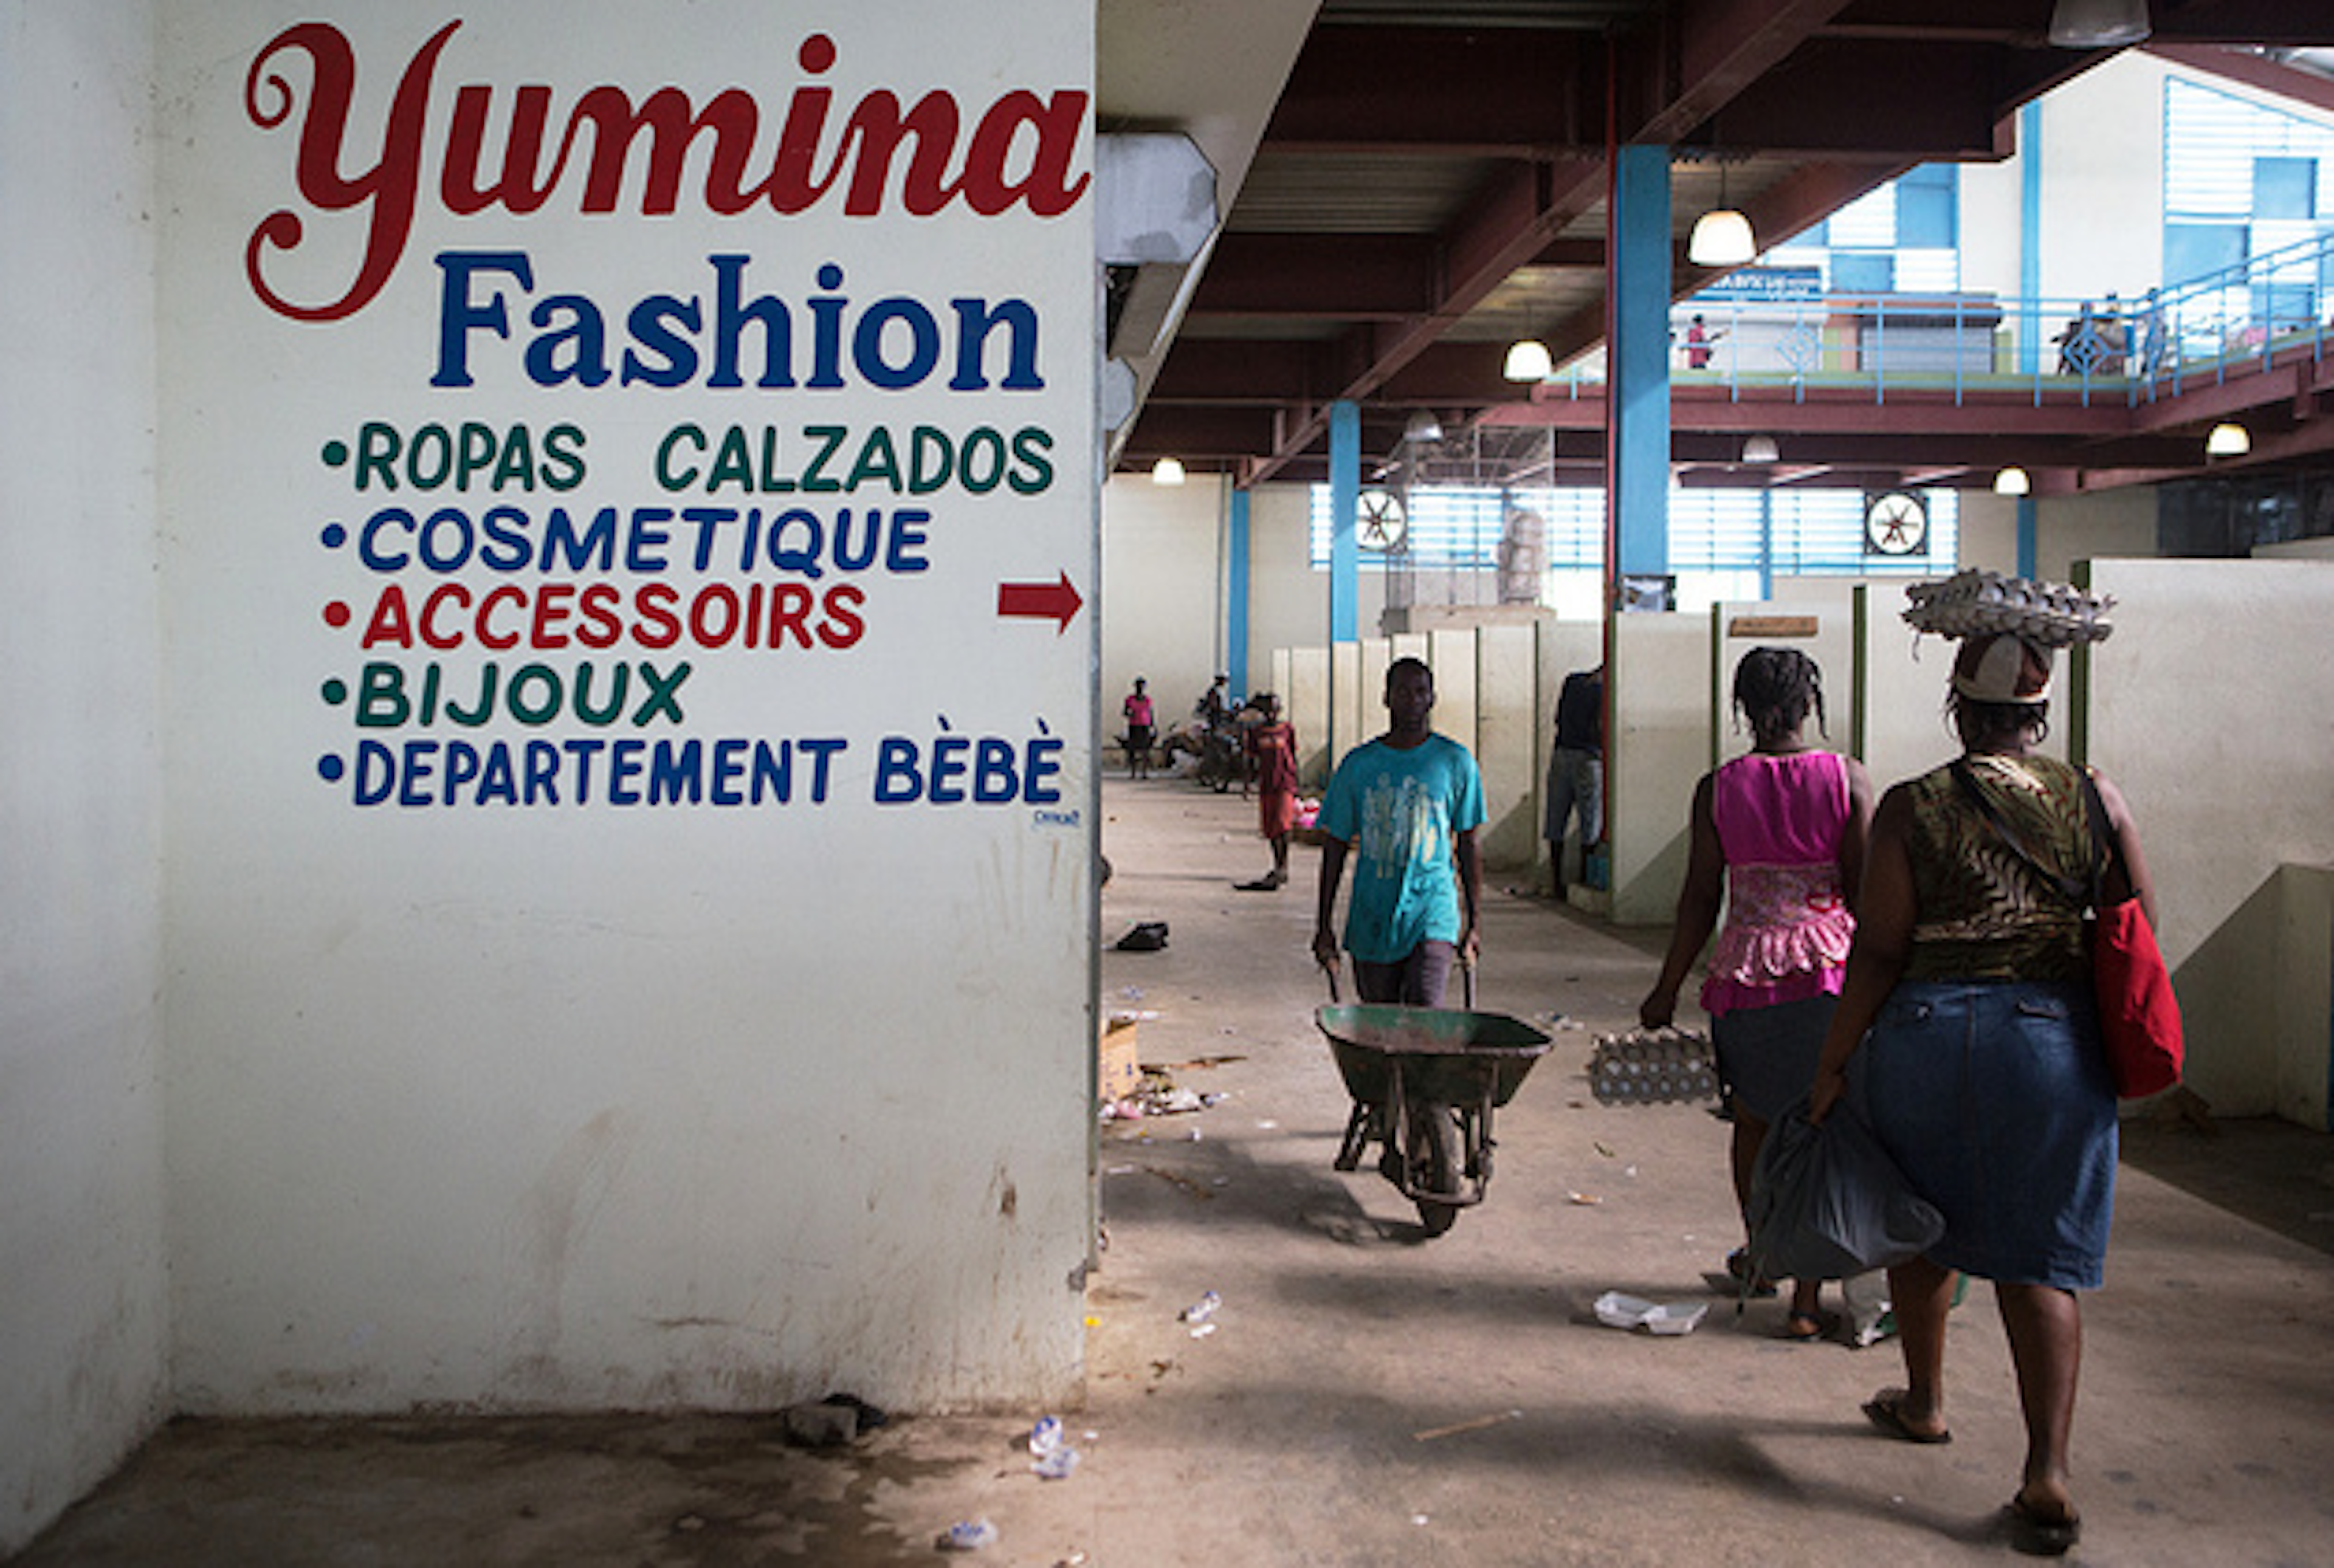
(2208, 329)
(2241, 318)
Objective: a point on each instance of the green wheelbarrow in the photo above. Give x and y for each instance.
(1424, 1083)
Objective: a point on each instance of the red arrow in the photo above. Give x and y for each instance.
(1055, 601)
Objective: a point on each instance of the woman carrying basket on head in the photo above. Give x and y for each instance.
(1981, 1071)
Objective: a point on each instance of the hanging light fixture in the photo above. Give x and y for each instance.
(2098, 24)
(1761, 449)
(1722, 236)
(2013, 481)
(1167, 471)
(1528, 360)
(1423, 427)
(2228, 440)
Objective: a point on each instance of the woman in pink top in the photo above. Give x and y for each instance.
(1778, 838)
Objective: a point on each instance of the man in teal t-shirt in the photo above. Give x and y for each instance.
(1404, 808)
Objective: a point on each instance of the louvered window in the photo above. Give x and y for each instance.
(1722, 544)
(1903, 237)
(2241, 180)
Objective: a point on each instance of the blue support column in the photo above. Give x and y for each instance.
(2026, 541)
(1345, 512)
(1766, 544)
(2030, 238)
(1236, 596)
(1638, 278)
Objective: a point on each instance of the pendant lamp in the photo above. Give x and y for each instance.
(1722, 236)
(2098, 24)
(1528, 360)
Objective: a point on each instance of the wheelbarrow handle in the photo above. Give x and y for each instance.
(1467, 979)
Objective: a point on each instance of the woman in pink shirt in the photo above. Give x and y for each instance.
(1778, 838)
(1139, 729)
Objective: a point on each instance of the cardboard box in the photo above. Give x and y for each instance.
(1118, 1072)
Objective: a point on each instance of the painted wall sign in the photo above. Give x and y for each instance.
(532, 605)
(1769, 285)
(627, 472)
(948, 162)
(1773, 626)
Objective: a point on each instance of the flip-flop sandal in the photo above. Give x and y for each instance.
(2038, 1535)
(1883, 1411)
(1261, 885)
(1738, 1266)
(1806, 1326)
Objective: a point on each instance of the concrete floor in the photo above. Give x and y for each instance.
(1369, 1396)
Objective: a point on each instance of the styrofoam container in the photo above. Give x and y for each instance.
(1628, 1311)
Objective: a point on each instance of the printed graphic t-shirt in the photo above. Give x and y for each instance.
(1400, 812)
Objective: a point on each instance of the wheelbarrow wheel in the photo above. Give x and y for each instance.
(1438, 1161)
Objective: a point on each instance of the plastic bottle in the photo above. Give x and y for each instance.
(969, 1536)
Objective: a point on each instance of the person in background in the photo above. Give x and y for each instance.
(1214, 706)
(1777, 838)
(1404, 808)
(1575, 771)
(1969, 1022)
(1699, 340)
(1141, 730)
(2115, 336)
(1271, 749)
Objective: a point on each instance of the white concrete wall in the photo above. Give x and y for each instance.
(2067, 529)
(1289, 601)
(2103, 195)
(83, 1287)
(2211, 708)
(1659, 746)
(1167, 575)
(1162, 599)
(1506, 744)
(1357, 700)
(1452, 655)
(1988, 535)
(568, 1105)
(1989, 198)
(1307, 700)
(1901, 693)
(2304, 977)
(2093, 527)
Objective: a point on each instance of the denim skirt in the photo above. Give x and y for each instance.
(1767, 1055)
(1996, 1101)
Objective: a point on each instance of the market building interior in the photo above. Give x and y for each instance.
(1407, 338)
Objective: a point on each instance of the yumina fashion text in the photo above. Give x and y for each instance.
(981, 166)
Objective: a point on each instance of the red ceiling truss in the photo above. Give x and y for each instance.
(1434, 180)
